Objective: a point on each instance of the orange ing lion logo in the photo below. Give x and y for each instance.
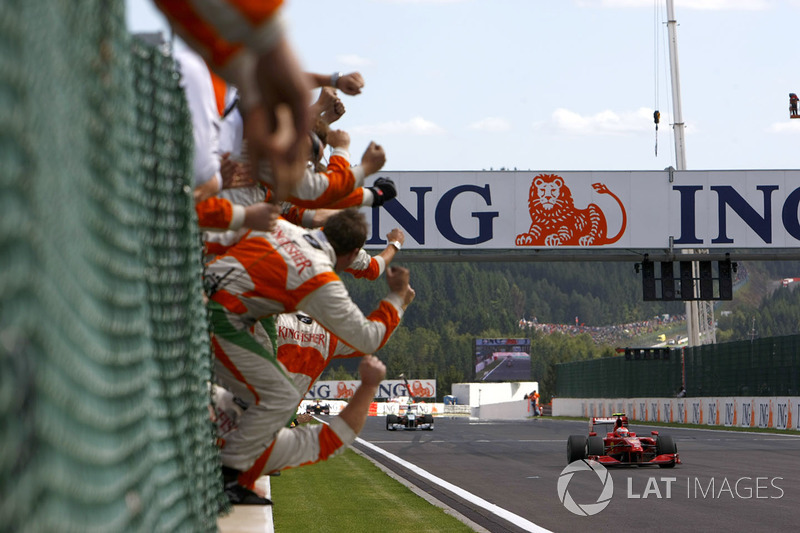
(342, 391)
(556, 222)
(420, 391)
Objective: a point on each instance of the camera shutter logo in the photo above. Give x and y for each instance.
(587, 509)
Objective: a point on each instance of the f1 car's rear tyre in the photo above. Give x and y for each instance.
(595, 446)
(390, 421)
(665, 444)
(576, 448)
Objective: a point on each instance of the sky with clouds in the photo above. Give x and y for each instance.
(554, 84)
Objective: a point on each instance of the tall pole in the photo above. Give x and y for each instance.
(678, 128)
(678, 125)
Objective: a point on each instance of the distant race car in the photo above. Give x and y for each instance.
(318, 408)
(619, 446)
(411, 418)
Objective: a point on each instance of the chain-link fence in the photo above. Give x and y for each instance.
(104, 352)
(763, 367)
(618, 377)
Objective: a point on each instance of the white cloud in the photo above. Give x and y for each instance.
(414, 126)
(353, 61)
(793, 126)
(705, 5)
(491, 124)
(603, 123)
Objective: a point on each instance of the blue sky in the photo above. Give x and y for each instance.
(554, 84)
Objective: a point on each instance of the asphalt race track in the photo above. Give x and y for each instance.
(729, 481)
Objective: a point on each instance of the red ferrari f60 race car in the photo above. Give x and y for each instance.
(619, 446)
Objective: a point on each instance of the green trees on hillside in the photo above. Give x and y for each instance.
(447, 356)
(458, 302)
(777, 315)
(480, 296)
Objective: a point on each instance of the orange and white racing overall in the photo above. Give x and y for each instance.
(263, 275)
(228, 34)
(367, 266)
(305, 348)
(340, 186)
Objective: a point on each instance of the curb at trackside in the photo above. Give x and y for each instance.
(496, 510)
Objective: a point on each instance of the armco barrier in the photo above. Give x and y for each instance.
(778, 412)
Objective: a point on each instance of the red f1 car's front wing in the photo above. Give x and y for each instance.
(666, 459)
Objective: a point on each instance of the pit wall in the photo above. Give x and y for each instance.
(781, 412)
(516, 410)
(481, 394)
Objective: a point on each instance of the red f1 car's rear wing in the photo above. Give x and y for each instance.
(622, 417)
(604, 420)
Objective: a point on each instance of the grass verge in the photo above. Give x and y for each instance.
(349, 493)
(694, 426)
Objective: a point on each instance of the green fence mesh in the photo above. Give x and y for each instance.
(763, 367)
(104, 354)
(616, 377)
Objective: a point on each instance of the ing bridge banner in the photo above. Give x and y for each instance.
(491, 210)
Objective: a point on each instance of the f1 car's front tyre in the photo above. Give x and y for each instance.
(595, 446)
(390, 421)
(665, 444)
(428, 419)
(576, 448)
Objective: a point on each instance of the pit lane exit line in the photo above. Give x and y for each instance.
(517, 520)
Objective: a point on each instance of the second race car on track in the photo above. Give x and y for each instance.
(410, 417)
(619, 446)
(318, 408)
(408, 413)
